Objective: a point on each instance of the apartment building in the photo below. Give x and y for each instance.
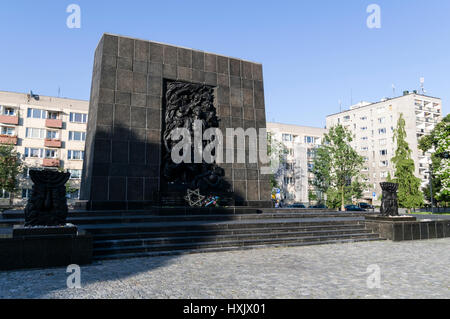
(48, 132)
(301, 143)
(373, 126)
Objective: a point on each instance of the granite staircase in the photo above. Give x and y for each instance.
(170, 231)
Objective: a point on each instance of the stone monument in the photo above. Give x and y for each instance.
(141, 91)
(389, 204)
(46, 240)
(47, 205)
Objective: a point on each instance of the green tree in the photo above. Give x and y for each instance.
(409, 194)
(439, 141)
(10, 168)
(337, 168)
(277, 151)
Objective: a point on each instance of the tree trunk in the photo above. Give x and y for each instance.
(342, 199)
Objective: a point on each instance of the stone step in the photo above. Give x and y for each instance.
(218, 232)
(158, 219)
(167, 211)
(212, 226)
(98, 252)
(169, 239)
(237, 248)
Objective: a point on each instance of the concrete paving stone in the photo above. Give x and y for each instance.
(416, 269)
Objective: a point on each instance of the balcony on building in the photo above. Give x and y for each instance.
(51, 162)
(54, 120)
(8, 139)
(9, 115)
(8, 135)
(52, 143)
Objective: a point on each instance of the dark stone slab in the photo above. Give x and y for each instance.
(392, 219)
(415, 231)
(407, 231)
(432, 230)
(423, 231)
(44, 251)
(21, 231)
(400, 230)
(127, 118)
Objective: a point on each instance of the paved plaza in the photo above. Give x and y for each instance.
(418, 269)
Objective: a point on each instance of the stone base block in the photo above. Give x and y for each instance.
(408, 229)
(45, 251)
(21, 231)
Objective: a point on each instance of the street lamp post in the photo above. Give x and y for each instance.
(431, 188)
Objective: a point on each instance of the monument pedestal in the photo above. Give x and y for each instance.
(401, 228)
(44, 247)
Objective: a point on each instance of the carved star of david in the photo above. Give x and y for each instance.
(194, 198)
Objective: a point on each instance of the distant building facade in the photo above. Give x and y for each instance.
(48, 132)
(300, 143)
(373, 125)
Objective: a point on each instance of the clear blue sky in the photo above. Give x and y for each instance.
(314, 53)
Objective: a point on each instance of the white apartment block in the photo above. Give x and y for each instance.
(301, 143)
(373, 126)
(48, 132)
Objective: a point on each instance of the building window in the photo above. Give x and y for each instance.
(364, 118)
(78, 118)
(75, 173)
(382, 120)
(51, 154)
(6, 130)
(384, 174)
(75, 155)
(364, 148)
(364, 138)
(289, 166)
(384, 163)
(34, 152)
(8, 111)
(310, 140)
(73, 195)
(52, 115)
(310, 167)
(4, 194)
(383, 152)
(36, 114)
(288, 180)
(77, 136)
(37, 133)
(26, 193)
(364, 128)
(382, 131)
(383, 141)
(52, 135)
(311, 153)
(347, 118)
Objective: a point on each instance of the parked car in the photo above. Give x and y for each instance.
(297, 205)
(365, 206)
(354, 208)
(319, 207)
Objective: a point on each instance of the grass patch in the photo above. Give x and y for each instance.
(430, 213)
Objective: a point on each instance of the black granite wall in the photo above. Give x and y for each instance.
(123, 144)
